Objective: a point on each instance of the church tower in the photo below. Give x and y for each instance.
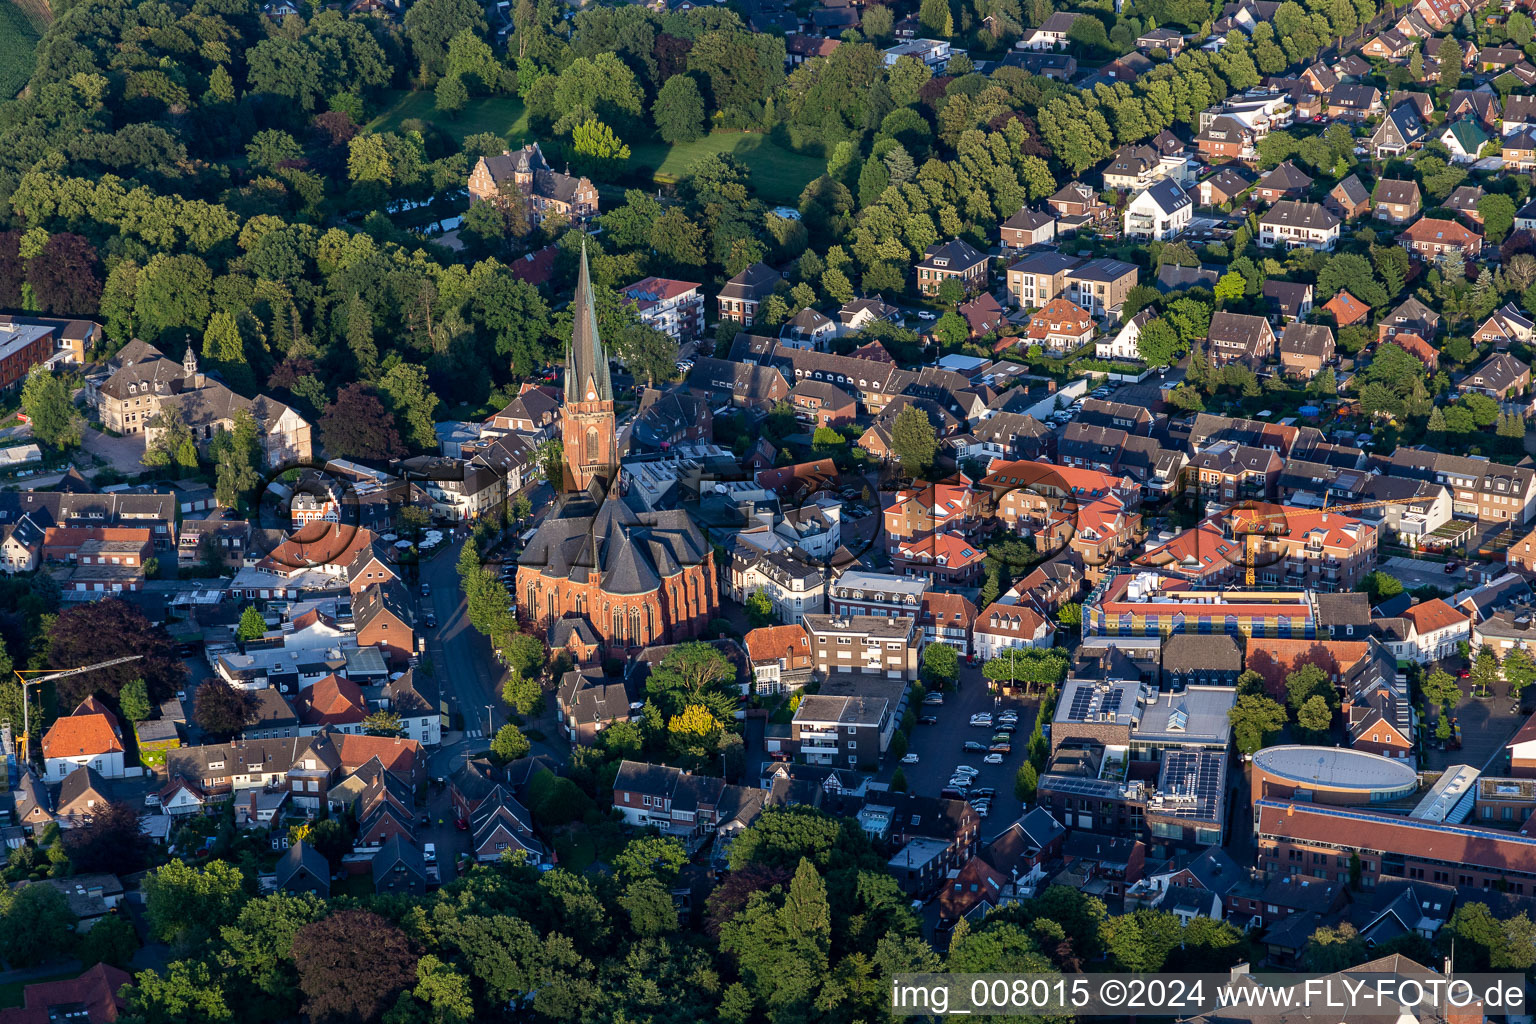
(586, 420)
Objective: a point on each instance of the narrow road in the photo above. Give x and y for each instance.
(462, 659)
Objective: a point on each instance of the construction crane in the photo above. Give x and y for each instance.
(1272, 523)
(43, 675)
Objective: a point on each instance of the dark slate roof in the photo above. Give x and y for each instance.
(301, 854)
(398, 850)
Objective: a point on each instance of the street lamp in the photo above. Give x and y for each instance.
(487, 719)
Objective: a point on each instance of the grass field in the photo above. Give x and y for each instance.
(18, 43)
(778, 174)
(499, 115)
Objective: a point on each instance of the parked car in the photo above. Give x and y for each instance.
(1001, 748)
(1007, 728)
(934, 698)
(429, 852)
(909, 759)
(993, 759)
(982, 720)
(927, 314)
(985, 793)
(1001, 737)
(972, 747)
(426, 590)
(965, 769)
(953, 792)
(430, 619)
(928, 720)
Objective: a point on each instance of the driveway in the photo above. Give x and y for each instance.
(939, 747)
(124, 454)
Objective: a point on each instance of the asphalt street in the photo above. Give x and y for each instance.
(462, 659)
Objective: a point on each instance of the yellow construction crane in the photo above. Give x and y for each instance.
(44, 675)
(1276, 521)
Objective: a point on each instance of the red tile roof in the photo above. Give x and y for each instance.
(1274, 658)
(1429, 616)
(81, 736)
(1347, 309)
(334, 701)
(397, 755)
(96, 989)
(767, 643)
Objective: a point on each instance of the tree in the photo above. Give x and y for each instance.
(1230, 288)
(597, 142)
(689, 673)
(1025, 781)
(237, 458)
(660, 857)
(404, 392)
(109, 841)
(252, 625)
(679, 110)
(1498, 213)
(1315, 716)
(509, 744)
(1380, 586)
(1441, 689)
(45, 399)
(357, 426)
(451, 95)
(188, 993)
(65, 277)
(172, 444)
(1070, 615)
(221, 709)
(1255, 720)
(940, 664)
(1519, 670)
(522, 694)
(185, 904)
(914, 441)
(760, 610)
(95, 631)
(383, 723)
(1158, 343)
(951, 330)
(38, 927)
(1333, 949)
(352, 965)
(1305, 683)
(1485, 671)
(111, 940)
(133, 699)
(432, 24)
(936, 18)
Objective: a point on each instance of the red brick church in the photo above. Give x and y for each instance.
(637, 578)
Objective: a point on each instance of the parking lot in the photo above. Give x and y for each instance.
(939, 747)
(1414, 573)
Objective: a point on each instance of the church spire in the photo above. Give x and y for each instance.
(586, 363)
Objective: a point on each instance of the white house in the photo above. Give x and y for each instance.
(1123, 344)
(1431, 630)
(1160, 212)
(1293, 225)
(1004, 627)
(89, 737)
(1051, 34)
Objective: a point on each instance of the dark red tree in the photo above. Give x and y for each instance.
(357, 426)
(220, 708)
(110, 841)
(102, 630)
(732, 894)
(12, 271)
(66, 276)
(671, 53)
(287, 373)
(352, 965)
(334, 128)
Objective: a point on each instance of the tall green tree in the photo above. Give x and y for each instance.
(55, 420)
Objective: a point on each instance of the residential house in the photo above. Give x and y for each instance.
(780, 657)
(1241, 338)
(1123, 343)
(1026, 228)
(857, 314)
(1431, 239)
(1292, 225)
(1227, 472)
(1161, 212)
(953, 260)
(1051, 33)
(1346, 309)
(1077, 205)
(1463, 202)
(544, 193)
(1353, 102)
(1305, 349)
(1465, 138)
(303, 869)
(1101, 286)
(823, 404)
(1287, 181)
(1402, 129)
(1227, 139)
(983, 314)
(1389, 45)
(675, 308)
(1396, 201)
(90, 737)
(743, 385)
(398, 868)
(384, 618)
(81, 793)
(1061, 326)
(808, 328)
(1506, 325)
(1223, 186)
(1039, 277)
(1349, 198)
(587, 702)
(1166, 39)
(863, 644)
(1501, 376)
(1289, 300)
(1519, 150)
(1519, 114)
(742, 296)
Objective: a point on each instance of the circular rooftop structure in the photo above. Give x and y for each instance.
(1338, 770)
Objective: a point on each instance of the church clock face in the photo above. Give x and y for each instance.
(591, 396)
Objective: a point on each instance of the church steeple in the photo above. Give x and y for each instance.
(586, 419)
(586, 374)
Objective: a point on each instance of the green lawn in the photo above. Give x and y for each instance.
(778, 174)
(499, 115)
